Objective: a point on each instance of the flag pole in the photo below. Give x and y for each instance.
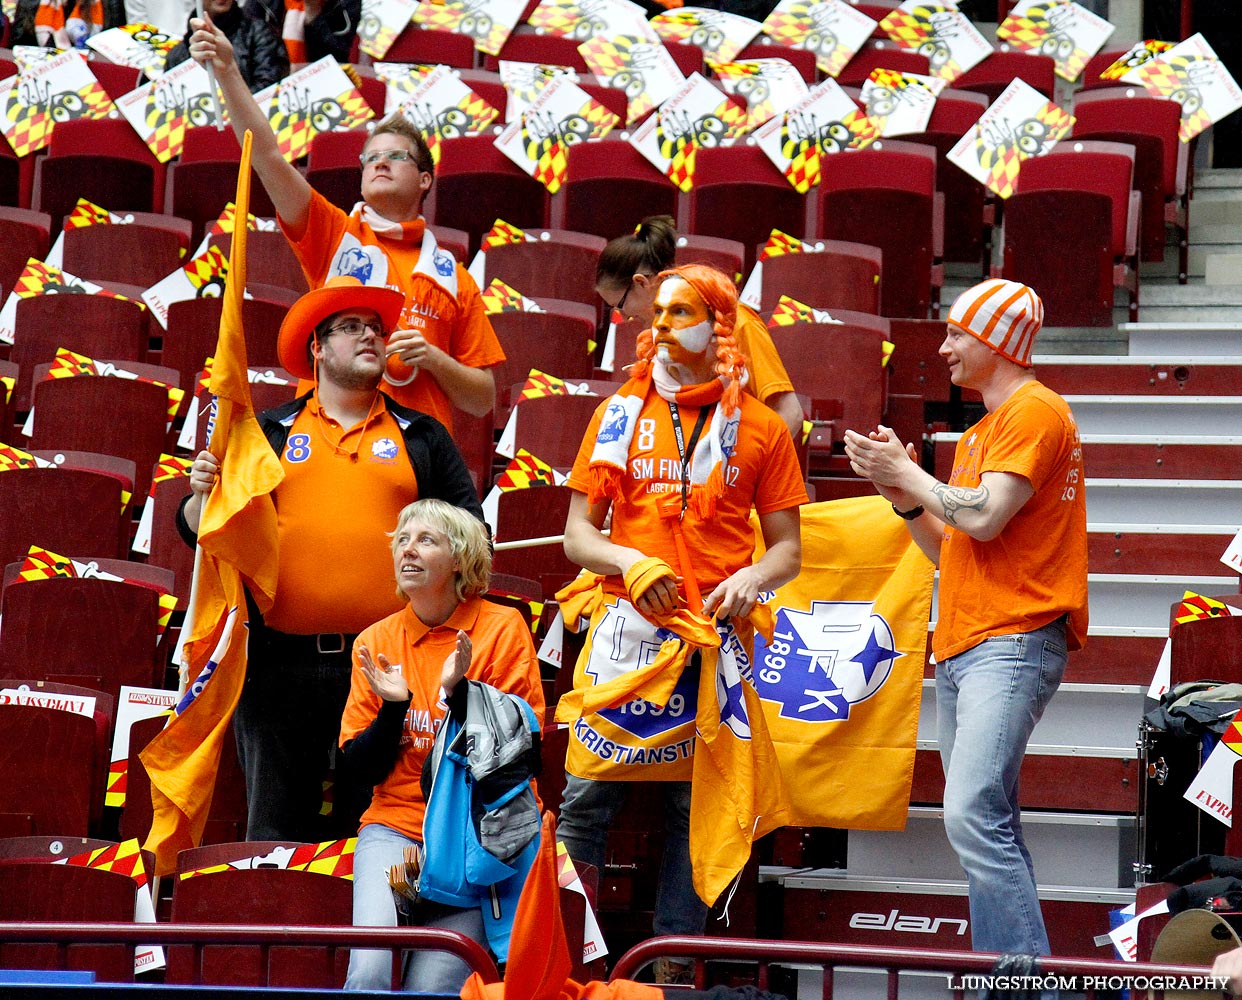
(211, 78)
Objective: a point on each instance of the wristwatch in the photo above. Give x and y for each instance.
(909, 515)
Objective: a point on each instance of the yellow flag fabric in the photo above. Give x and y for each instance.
(237, 549)
(842, 678)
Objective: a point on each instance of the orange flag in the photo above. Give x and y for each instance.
(539, 961)
(237, 551)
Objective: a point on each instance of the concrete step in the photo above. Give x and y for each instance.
(1217, 178)
(1181, 336)
(1196, 302)
(1068, 849)
(1156, 414)
(1224, 268)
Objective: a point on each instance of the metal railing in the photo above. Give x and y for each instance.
(395, 940)
(1089, 975)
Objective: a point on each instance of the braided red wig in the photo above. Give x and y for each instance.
(719, 292)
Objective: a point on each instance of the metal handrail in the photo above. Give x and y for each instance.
(392, 939)
(765, 953)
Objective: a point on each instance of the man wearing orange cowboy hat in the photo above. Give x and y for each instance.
(352, 460)
(1009, 533)
(443, 344)
(681, 456)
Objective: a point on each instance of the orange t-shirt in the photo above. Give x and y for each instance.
(332, 510)
(767, 374)
(764, 474)
(503, 656)
(1035, 570)
(461, 330)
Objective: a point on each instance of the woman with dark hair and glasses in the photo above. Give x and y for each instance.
(627, 279)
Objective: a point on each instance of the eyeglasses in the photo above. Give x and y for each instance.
(391, 155)
(620, 306)
(359, 328)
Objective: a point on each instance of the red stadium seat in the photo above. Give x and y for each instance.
(333, 169)
(1123, 114)
(270, 260)
(916, 366)
(885, 196)
(431, 47)
(102, 160)
(556, 264)
(24, 233)
(803, 60)
(609, 188)
(476, 184)
(1001, 68)
(551, 427)
(88, 631)
(722, 254)
(116, 79)
(67, 415)
(77, 509)
(50, 787)
(1082, 190)
(194, 327)
(968, 210)
(884, 55)
(1096, 65)
(536, 512)
(738, 194)
(139, 253)
(555, 344)
(524, 45)
(97, 326)
(841, 275)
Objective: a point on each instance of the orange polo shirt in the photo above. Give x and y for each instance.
(503, 656)
(342, 492)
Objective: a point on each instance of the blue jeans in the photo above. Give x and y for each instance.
(587, 811)
(427, 971)
(988, 699)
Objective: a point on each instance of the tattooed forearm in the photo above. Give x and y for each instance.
(958, 498)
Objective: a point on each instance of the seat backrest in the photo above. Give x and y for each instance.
(871, 57)
(855, 378)
(59, 893)
(97, 633)
(551, 427)
(136, 254)
(67, 415)
(476, 184)
(270, 260)
(262, 896)
(51, 763)
(206, 142)
(740, 195)
(916, 367)
(843, 275)
(1129, 109)
(557, 263)
(111, 137)
(554, 344)
(1002, 67)
(97, 326)
(487, 85)
(803, 60)
(537, 512)
(1096, 65)
(336, 149)
(117, 183)
(194, 327)
(1105, 168)
(78, 509)
(116, 80)
(724, 255)
(956, 110)
(892, 163)
(524, 45)
(167, 547)
(24, 233)
(610, 187)
(427, 45)
(198, 190)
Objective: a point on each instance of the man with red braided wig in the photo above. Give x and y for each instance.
(679, 457)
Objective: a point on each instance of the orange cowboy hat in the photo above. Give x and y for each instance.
(336, 295)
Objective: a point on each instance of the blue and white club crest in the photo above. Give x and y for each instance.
(825, 660)
(385, 448)
(443, 262)
(615, 420)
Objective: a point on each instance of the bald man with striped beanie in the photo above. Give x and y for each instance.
(1009, 533)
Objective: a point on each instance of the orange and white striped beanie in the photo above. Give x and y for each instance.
(1005, 315)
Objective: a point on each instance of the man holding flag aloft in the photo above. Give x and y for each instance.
(680, 456)
(1009, 533)
(352, 459)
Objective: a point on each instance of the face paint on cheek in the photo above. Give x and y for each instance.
(694, 339)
